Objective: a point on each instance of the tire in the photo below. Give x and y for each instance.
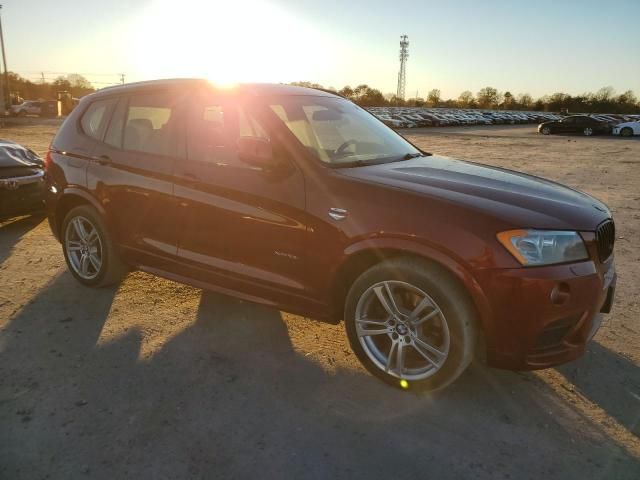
(546, 130)
(626, 132)
(110, 269)
(587, 132)
(447, 324)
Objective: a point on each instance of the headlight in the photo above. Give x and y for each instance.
(543, 247)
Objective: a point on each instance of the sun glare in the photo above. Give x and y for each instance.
(226, 42)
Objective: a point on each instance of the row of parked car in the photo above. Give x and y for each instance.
(414, 117)
(587, 125)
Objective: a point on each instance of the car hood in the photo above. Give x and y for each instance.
(16, 160)
(517, 199)
(628, 124)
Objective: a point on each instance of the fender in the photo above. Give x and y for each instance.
(81, 192)
(72, 191)
(454, 266)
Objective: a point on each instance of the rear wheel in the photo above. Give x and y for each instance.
(546, 130)
(88, 249)
(587, 132)
(411, 324)
(626, 132)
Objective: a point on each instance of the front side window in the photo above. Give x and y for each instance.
(340, 133)
(94, 118)
(214, 129)
(152, 124)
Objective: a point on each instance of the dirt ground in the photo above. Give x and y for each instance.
(155, 379)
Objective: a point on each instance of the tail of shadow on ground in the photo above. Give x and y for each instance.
(609, 380)
(229, 396)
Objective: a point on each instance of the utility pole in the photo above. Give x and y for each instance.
(122, 78)
(402, 74)
(6, 73)
(42, 78)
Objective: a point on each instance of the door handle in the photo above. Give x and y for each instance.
(104, 160)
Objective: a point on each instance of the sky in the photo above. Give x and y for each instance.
(538, 47)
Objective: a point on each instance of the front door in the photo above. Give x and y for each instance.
(243, 226)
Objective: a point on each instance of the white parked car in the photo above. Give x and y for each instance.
(627, 129)
(26, 108)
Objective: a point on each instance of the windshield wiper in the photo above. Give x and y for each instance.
(409, 156)
(355, 163)
(378, 161)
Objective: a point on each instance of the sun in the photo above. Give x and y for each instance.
(226, 42)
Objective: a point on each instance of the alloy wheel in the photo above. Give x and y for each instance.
(588, 131)
(402, 330)
(546, 130)
(84, 247)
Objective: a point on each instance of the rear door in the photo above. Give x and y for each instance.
(243, 226)
(132, 173)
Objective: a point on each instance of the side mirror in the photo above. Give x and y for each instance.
(255, 151)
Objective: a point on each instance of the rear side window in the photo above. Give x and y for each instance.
(152, 124)
(94, 119)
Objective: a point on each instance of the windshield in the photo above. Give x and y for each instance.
(340, 133)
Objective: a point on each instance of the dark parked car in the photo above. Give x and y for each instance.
(301, 200)
(22, 184)
(583, 124)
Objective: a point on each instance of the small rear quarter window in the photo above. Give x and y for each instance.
(95, 117)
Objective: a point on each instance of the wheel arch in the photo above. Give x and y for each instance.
(360, 257)
(71, 198)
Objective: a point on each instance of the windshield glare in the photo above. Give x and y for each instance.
(338, 132)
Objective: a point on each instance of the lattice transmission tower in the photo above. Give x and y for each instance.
(402, 74)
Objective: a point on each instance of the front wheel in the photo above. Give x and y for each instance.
(626, 132)
(546, 131)
(411, 324)
(88, 249)
(587, 132)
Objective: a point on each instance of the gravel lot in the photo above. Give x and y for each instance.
(155, 379)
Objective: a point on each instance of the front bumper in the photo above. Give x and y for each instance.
(544, 316)
(21, 195)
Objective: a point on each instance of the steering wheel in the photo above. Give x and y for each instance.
(340, 150)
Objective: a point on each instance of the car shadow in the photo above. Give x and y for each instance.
(230, 396)
(609, 380)
(12, 230)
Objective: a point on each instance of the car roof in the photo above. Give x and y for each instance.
(253, 89)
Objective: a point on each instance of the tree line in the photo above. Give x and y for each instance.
(604, 100)
(21, 88)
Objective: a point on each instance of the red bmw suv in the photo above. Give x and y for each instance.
(301, 200)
